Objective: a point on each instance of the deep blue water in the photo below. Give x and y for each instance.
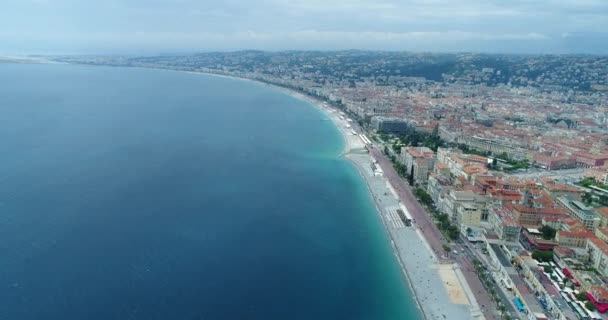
(148, 194)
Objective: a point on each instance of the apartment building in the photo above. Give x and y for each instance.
(598, 254)
(583, 213)
(419, 162)
(504, 224)
(573, 239)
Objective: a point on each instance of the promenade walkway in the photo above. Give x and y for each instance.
(432, 235)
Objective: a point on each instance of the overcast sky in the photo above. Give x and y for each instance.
(164, 26)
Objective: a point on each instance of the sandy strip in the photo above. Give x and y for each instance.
(455, 290)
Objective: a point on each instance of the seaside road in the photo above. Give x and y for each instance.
(437, 297)
(433, 236)
(481, 294)
(474, 254)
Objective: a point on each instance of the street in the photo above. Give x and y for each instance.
(432, 234)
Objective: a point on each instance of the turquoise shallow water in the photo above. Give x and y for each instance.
(148, 194)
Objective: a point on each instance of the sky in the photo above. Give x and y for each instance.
(175, 26)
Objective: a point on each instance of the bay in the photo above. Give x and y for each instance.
(150, 194)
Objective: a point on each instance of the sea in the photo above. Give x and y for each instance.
(132, 193)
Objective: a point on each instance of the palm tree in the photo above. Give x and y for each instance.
(586, 197)
(502, 309)
(447, 249)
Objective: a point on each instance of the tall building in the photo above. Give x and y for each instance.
(468, 215)
(598, 254)
(418, 161)
(505, 225)
(581, 212)
(390, 125)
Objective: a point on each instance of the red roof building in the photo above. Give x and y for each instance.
(599, 296)
(533, 216)
(591, 160)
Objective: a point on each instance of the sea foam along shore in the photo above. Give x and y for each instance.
(439, 291)
(439, 288)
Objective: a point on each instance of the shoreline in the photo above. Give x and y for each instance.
(421, 269)
(318, 104)
(27, 59)
(404, 271)
(347, 149)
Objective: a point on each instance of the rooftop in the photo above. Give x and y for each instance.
(600, 293)
(419, 152)
(523, 209)
(577, 234)
(602, 211)
(600, 244)
(578, 207)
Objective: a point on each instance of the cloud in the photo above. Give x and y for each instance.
(144, 37)
(284, 24)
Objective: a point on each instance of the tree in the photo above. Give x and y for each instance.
(444, 220)
(502, 309)
(587, 198)
(590, 306)
(587, 182)
(401, 169)
(423, 196)
(397, 148)
(542, 255)
(410, 177)
(446, 249)
(453, 232)
(581, 296)
(548, 232)
(476, 263)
